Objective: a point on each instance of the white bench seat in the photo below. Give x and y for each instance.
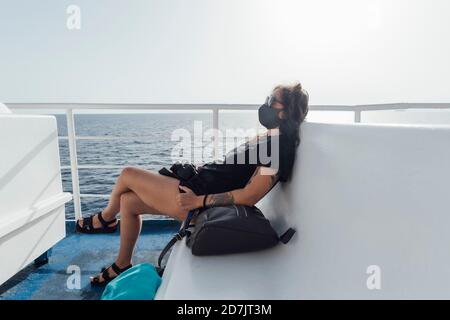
(364, 198)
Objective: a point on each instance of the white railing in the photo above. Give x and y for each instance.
(215, 108)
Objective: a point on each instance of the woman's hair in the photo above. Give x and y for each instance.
(295, 102)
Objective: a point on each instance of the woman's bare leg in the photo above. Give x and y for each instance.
(131, 209)
(137, 192)
(113, 207)
(155, 190)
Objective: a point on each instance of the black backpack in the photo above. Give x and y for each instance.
(226, 230)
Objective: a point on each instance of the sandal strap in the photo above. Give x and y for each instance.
(87, 223)
(105, 275)
(117, 270)
(96, 280)
(104, 223)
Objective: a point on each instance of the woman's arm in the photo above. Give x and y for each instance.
(259, 184)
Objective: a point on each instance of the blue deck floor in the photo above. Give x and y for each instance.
(90, 253)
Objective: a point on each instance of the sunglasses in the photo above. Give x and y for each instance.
(270, 100)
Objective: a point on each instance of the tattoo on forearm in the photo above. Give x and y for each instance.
(219, 199)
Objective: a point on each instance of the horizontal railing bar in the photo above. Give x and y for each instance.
(113, 138)
(103, 167)
(145, 217)
(137, 106)
(130, 106)
(90, 195)
(403, 106)
(383, 107)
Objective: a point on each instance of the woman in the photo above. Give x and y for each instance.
(137, 191)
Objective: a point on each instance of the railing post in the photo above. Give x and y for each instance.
(73, 163)
(216, 128)
(357, 116)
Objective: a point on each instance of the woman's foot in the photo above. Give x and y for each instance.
(109, 274)
(96, 224)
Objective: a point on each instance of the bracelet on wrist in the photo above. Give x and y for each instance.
(204, 201)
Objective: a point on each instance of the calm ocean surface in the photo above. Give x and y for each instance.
(117, 140)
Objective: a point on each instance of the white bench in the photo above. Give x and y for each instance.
(32, 202)
(364, 198)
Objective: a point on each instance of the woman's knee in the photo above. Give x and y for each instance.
(127, 202)
(128, 172)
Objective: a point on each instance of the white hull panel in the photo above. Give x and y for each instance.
(32, 217)
(23, 245)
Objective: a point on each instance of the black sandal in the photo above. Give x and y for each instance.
(106, 277)
(88, 226)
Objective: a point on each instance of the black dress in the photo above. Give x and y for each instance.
(240, 164)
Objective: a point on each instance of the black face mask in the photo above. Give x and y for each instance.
(268, 116)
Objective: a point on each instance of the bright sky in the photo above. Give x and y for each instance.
(225, 51)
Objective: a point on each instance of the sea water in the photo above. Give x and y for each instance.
(108, 142)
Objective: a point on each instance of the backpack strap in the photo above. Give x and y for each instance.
(180, 235)
(287, 236)
(177, 237)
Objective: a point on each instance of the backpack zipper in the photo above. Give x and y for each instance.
(237, 210)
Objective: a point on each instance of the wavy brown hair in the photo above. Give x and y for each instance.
(295, 105)
(295, 102)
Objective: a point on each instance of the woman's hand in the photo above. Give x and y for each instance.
(188, 200)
